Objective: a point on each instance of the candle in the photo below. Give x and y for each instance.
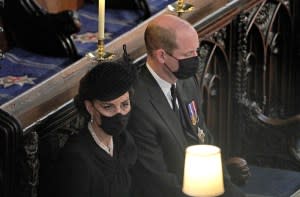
(101, 20)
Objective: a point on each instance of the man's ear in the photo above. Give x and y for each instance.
(160, 55)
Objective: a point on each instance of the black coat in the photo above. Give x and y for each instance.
(160, 137)
(85, 170)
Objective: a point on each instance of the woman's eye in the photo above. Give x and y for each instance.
(126, 104)
(107, 107)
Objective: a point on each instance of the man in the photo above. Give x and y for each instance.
(164, 124)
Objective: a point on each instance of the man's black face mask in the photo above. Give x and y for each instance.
(188, 67)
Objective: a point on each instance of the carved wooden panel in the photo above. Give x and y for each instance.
(215, 87)
(296, 47)
(267, 85)
(249, 86)
(10, 138)
(41, 144)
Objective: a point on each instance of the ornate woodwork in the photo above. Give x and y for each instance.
(268, 85)
(1, 32)
(248, 84)
(41, 144)
(215, 87)
(10, 143)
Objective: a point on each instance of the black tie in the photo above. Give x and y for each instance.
(179, 113)
(174, 98)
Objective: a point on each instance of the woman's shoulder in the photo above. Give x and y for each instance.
(77, 143)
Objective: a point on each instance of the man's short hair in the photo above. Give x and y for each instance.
(157, 37)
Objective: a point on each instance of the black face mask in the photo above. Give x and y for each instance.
(114, 125)
(188, 67)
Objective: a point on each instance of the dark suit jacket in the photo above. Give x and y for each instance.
(160, 138)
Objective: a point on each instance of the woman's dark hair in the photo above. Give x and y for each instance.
(106, 81)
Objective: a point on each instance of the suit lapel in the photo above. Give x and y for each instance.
(184, 100)
(161, 105)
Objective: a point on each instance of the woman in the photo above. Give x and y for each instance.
(96, 162)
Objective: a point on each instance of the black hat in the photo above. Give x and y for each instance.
(107, 81)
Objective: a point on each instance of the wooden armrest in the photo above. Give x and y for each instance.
(238, 170)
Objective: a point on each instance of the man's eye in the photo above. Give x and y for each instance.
(189, 54)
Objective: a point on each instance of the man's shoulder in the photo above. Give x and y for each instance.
(189, 84)
(142, 80)
(190, 80)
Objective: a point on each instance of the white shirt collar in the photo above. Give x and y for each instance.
(109, 149)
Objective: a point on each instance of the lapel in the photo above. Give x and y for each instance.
(161, 105)
(184, 99)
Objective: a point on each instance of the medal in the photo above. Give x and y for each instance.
(193, 112)
(201, 135)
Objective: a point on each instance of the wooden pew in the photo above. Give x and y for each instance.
(55, 6)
